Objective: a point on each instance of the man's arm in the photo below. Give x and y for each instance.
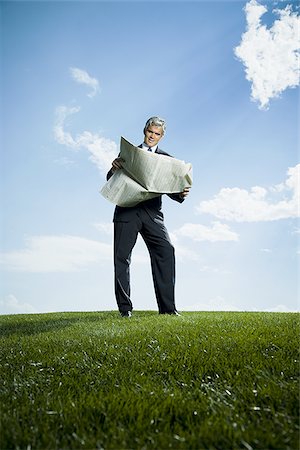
(116, 165)
(181, 196)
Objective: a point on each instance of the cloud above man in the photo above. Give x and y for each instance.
(258, 204)
(102, 151)
(82, 77)
(271, 56)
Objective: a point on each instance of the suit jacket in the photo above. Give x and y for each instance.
(152, 206)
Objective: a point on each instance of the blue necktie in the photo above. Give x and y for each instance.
(149, 149)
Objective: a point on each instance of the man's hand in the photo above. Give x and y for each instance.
(185, 192)
(117, 164)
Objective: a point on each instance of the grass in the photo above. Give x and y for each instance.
(206, 380)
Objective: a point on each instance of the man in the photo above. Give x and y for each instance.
(147, 219)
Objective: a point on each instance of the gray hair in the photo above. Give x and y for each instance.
(157, 122)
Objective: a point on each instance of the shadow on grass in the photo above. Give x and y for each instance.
(30, 324)
(27, 325)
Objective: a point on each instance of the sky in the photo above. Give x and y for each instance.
(76, 76)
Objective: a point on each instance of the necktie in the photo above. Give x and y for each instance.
(149, 149)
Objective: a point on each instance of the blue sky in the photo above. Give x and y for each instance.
(78, 75)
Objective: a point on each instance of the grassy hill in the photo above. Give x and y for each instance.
(205, 380)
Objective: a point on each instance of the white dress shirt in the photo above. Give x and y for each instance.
(145, 147)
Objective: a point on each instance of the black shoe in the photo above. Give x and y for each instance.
(126, 314)
(172, 313)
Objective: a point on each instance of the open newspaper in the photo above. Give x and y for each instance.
(145, 175)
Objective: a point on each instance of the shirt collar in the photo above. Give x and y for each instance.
(145, 147)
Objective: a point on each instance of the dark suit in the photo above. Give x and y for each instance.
(147, 219)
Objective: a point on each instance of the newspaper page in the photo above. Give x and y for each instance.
(145, 175)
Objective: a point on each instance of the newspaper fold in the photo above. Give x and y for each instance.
(145, 175)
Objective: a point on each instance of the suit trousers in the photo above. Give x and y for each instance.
(162, 256)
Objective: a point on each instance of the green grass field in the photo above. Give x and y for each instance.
(205, 380)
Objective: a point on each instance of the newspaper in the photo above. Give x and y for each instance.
(145, 175)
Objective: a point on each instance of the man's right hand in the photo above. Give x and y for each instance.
(117, 164)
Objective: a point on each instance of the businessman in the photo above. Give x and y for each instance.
(147, 219)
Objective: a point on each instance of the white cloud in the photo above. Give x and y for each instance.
(56, 254)
(11, 305)
(270, 56)
(240, 205)
(102, 151)
(61, 135)
(82, 77)
(104, 227)
(198, 232)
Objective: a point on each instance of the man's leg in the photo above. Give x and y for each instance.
(162, 256)
(125, 235)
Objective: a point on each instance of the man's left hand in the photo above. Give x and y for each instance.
(185, 192)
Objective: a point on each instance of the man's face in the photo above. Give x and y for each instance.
(153, 135)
